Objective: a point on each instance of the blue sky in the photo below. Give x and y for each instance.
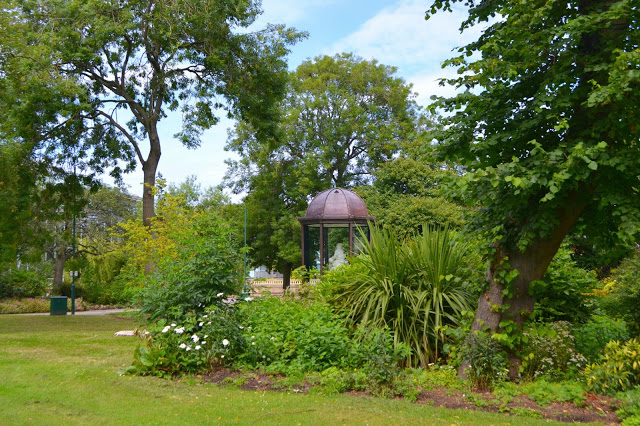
(393, 31)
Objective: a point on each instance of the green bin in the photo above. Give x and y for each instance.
(59, 305)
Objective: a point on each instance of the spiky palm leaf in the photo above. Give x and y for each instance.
(412, 286)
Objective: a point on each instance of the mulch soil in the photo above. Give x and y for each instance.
(596, 408)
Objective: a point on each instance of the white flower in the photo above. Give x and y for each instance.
(188, 348)
(209, 323)
(167, 328)
(264, 356)
(206, 335)
(173, 324)
(179, 330)
(241, 327)
(273, 338)
(253, 337)
(201, 324)
(203, 342)
(204, 316)
(253, 343)
(221, 356)
(225, 342)
(197, 347)
(182, 346)
(248, 299)
(220, 294)
(195, 338)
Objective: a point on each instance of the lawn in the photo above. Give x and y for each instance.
(65, 369)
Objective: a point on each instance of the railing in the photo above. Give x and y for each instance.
(273, 286)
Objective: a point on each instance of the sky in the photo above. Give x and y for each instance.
(394, 32)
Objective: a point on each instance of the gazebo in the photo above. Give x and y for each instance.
(328, 228)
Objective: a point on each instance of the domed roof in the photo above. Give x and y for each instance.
(336, 204)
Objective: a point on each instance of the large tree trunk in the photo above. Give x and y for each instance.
(58, 275)
(149, 169)
(516, 304)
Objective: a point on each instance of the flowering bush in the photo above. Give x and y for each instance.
(549, 350)
(193, 344)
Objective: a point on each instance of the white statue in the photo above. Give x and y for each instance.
(338, 257)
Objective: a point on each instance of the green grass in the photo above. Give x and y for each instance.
(64, 369)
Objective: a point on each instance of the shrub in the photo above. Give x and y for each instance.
(15, 282)
(414, 288)
(191, 276)
(291, 336)
(549, 350)
(562, 295)
(619, 369)
(107, 279)
(624, 295)
(485, 359)
(592, 337)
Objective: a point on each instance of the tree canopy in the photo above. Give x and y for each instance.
(546, 128)
(113, 70)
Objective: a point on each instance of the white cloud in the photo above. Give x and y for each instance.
(399, 35)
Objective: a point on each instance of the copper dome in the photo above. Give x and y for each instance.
(336, 204)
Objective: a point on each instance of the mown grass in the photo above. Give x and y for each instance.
(64, 369)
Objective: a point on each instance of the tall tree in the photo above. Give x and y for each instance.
(120, 66)
(342, 117)
(547, 131)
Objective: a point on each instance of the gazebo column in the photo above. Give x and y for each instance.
(321, 248)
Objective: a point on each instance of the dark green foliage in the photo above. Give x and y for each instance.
(623, 300)
(104, 279)
(592, 337)
(407, 194)
(553, 120)
(563, 293)
(629, 403)
(15, 282)
(290, 336)
(619, 369)
(544, 392)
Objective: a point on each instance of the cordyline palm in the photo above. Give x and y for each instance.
(413, 286)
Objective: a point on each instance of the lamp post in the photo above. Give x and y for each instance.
(73, 250)
(244, 276)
